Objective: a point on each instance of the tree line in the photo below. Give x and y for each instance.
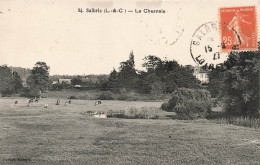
(161, 76)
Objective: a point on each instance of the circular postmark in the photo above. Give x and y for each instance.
(205, 48)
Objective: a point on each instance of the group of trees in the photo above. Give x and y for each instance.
(237, 87)
(10, 82)
(160, 77)
(38, 81)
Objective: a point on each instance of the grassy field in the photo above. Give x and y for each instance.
(66, 135)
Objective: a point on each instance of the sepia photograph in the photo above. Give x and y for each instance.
(112, 82)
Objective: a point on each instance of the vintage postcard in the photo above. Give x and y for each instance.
(129, 82)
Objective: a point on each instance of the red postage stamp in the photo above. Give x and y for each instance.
(238, 29)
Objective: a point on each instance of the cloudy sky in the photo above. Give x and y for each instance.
(71, 42)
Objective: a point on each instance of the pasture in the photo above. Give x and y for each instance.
(66, 135)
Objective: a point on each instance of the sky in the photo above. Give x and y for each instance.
(75, 43)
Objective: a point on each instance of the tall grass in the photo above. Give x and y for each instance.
(141, 113)
(240, 121)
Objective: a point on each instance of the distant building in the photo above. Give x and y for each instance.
(24, 73)
(68, 81)
(201, 75)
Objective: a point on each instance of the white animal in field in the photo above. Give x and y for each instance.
(45, 105)
(100, 115)
(97, 102)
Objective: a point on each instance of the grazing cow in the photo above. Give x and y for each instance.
(46, 106)
(30, 101)
(67, 102)
(98, 102)
(36, 100)
(16, 102)
(58, 102)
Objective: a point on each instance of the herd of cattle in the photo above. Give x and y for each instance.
(36, 100)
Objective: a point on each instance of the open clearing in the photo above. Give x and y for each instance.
(65, 135)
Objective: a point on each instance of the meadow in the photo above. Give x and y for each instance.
(63, 134)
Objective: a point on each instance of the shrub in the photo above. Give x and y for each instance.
(88, 97)
(164, 106)
(214, 102)
(106, 96)
(192, 109)
(134, 113)
(25, 92)
(122, 97)
(73, 97)
(189, 103)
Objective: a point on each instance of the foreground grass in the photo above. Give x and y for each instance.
(64, 135)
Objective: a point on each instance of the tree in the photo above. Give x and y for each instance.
(215, 83)
(143, 83)
(38, 80)
(76, 80)
(173, 75)
(239, 87)
(6, 80)
(112, 83)
(157, 88)
(127, 76)
(17, 82)
(151, 62)
(101, 80)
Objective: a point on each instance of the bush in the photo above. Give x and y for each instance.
(192, 109)
(189, 103)
(127, 97)
(26, 92)
(73, 97)
(106, 96)
(134, 113)
(164, 106)
(122, 97)
(88, 97)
